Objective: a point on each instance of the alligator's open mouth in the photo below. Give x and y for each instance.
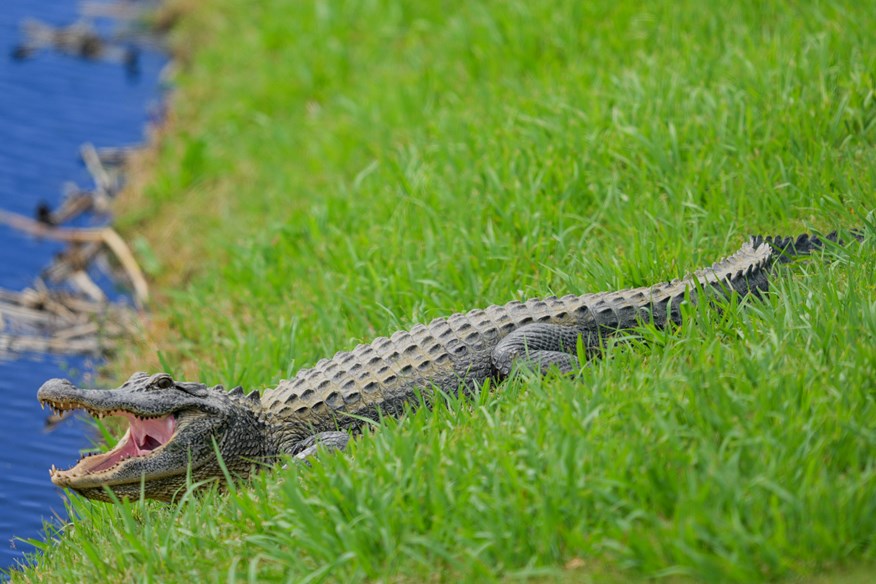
(144, 437)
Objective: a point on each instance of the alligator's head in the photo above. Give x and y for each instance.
(173, 426)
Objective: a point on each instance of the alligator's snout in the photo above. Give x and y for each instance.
(53, 385)
(59, 393)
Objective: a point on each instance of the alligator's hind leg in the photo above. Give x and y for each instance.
(331, 440)
(541, 346)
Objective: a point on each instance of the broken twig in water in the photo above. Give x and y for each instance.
(106, 235)
(107, 184)
(76, 202)
(78, 256)
(116, 156)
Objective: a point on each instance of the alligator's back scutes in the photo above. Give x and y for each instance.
(454, 351)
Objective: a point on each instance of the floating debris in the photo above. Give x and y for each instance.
(108, 179)
(107, 167)
(43, 320)
(116, 157)
(104, 235)
(65, 310)
(79, 39)
(76, 202)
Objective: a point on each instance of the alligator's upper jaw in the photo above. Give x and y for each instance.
(144, 438)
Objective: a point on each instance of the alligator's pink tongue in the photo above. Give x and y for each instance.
(149, 434)
(144, 436)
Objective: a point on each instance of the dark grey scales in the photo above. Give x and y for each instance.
(174, 423)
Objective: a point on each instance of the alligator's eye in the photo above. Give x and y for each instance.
(163, 383)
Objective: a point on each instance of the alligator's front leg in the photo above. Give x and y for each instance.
(541, 346)
(307, 448)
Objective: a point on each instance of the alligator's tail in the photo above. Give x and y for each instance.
(786, 249)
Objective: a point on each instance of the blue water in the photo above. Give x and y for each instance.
(49, 106)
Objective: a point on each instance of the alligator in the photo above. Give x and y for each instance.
(183, 432)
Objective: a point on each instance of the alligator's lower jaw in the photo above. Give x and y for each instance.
(144, 438)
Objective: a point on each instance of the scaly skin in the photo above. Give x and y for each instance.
(188, 422)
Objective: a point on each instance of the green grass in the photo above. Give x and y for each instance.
(338, 170)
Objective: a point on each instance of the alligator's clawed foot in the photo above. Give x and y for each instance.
(307, 448)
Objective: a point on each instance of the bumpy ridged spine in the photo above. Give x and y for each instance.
(452, 352)
(785, 249)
